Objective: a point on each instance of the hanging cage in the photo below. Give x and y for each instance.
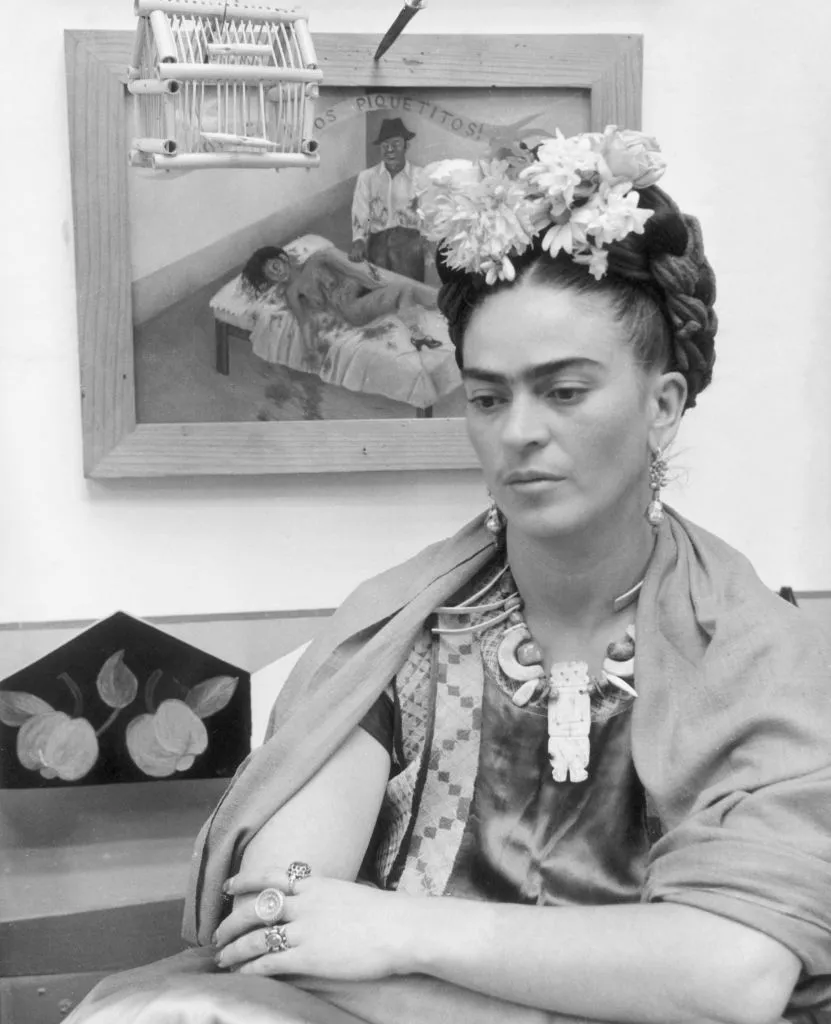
(222, 84)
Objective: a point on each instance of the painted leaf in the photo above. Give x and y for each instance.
(211, 696)
(17, 706)
(116, 683)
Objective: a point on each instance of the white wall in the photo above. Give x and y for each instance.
(738, 93)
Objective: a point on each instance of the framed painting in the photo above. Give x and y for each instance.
(192, 358)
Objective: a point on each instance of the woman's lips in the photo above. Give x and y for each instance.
(527, 476)
(527, 481)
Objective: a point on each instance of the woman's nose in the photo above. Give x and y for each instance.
(525, 423)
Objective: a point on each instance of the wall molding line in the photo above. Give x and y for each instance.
(160, 620)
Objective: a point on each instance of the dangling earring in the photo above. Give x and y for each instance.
(493, 517)
(657, 481)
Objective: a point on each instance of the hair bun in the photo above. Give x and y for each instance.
(666, 234)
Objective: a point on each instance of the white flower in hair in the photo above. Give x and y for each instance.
(479, 213)
(632, 156)
(565, 170)
(581, 191)
(618, 215)
(570, 231)
(597, 260)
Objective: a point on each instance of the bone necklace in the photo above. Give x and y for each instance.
(568, 687)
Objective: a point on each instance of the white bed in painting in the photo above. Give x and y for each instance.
(412, 363)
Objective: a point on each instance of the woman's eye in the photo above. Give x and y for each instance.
(565, 395)
(485, 403)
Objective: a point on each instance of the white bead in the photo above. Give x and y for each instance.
(624, 669)
(616, 681)
(525, 692)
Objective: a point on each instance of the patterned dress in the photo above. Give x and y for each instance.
(471, 808)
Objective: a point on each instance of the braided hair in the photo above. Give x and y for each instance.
(660, 286)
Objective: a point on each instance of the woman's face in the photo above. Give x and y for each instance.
(561, 416)
(277, 270)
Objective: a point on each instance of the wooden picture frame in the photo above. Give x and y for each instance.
(609, 67)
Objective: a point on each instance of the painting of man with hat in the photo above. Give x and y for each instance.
(385, 226)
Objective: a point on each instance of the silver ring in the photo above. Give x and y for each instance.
(298, 870)
(276, 940)
(269, 905)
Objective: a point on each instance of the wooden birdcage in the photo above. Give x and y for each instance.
(222, 84)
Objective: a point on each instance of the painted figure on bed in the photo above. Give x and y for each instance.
(326, 280)
(385, 225)
(308, 308)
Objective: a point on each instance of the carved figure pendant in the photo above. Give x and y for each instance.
(569, 721)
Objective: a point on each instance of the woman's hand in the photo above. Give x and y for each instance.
(335, 929)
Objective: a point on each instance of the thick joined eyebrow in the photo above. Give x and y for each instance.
(533, 373)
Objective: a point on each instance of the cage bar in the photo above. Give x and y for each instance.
(152, 86)
(165, 43)
(165, 147)
(228, 139)
(241, 72)
(312, 92)
(195, 161)
(138, 49)
(219, 9)
(240, 50)
(304, 42)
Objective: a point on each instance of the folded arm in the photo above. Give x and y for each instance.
(633, 964)
(658, 963)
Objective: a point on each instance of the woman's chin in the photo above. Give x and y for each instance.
(545, 522)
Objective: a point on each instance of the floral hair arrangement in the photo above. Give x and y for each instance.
(581, 191)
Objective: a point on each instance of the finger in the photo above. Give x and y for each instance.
(244, 919)
(248, 947)
(241, 950)
(237, 923)
(254, 882)
(272, 964)
(246, 883)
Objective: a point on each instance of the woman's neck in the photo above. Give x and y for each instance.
(575, 580)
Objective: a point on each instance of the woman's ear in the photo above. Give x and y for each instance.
(668, 398)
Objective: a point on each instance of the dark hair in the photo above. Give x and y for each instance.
(253, 275)
(659, 284)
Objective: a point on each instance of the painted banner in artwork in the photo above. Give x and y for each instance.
(449, 120)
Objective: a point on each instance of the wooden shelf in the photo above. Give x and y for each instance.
(93, 878)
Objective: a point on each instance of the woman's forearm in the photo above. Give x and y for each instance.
(660, 963)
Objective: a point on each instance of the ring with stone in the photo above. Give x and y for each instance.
(276, 940)
(269, 905)
(298, 870)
